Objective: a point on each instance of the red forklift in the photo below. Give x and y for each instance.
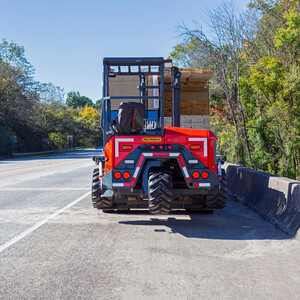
(147, 165)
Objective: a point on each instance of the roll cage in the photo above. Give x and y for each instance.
(143, 67)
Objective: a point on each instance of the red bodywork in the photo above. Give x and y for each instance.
(173, 135)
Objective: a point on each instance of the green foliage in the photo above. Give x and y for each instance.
(74, 100)
(34, 111)
(266, 76)
(180, 55)
(50, 93)
(98, 104)
(90, 115)
(58, 125)
(58, 139)
(6, 144)
(255, 91)
(14, 55)
(289, 35)
(261, 5)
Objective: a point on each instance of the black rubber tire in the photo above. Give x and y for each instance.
(219, 200)
(98, 201)
(160, 191)
(95, 176)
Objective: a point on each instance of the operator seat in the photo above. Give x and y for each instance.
(130, 118)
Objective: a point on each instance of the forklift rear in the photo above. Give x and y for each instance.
(147, 165)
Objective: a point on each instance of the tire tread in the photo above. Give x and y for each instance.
(219, 200)
(160, 191)
(98, 201)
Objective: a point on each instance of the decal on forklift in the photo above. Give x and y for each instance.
(151, 139)
(204, 184)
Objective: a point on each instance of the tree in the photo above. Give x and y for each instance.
(98, 104)
(255, 90)
(275, 79)
(32, 110)
(221, 51)
(50, 93)
(18, 97)
(14, 56)
(74, 99)
(90, 115)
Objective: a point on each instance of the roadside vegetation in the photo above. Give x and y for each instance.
(255, 91)
(34, 116)
(254, 94)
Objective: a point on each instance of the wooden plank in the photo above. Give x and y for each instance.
(193, 94)
(191, 75)
(186, 96)
(188, 107)
(193, 121)
(194, 86)
(125, 86)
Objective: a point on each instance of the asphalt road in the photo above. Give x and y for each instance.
(54, 245)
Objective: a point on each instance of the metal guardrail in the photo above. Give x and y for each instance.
(45, 152)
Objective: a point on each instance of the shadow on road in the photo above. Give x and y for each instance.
(227, 224)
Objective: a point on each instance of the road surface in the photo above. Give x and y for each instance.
(54, 245)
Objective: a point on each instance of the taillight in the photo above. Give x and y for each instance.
(126, 175)
(161, 147)
(169, 147)
(204, 175)
(196, 175)
(126, 147)
(117, 175)
(195, 147)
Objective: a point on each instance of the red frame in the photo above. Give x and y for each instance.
(173, 135)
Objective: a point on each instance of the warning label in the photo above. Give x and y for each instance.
(151, 139)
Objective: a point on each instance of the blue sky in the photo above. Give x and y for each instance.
(66, 40)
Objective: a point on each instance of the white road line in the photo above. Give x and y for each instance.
(39, 224)
(45, 189)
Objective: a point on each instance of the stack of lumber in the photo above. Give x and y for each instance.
(194, 96)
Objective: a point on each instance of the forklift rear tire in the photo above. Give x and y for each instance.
(98, 201)
(160, 191)
(219, 200)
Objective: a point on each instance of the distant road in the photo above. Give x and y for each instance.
(54, 245)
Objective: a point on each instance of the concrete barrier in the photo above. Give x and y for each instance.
(275, 198)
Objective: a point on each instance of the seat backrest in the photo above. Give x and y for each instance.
(130, 118)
